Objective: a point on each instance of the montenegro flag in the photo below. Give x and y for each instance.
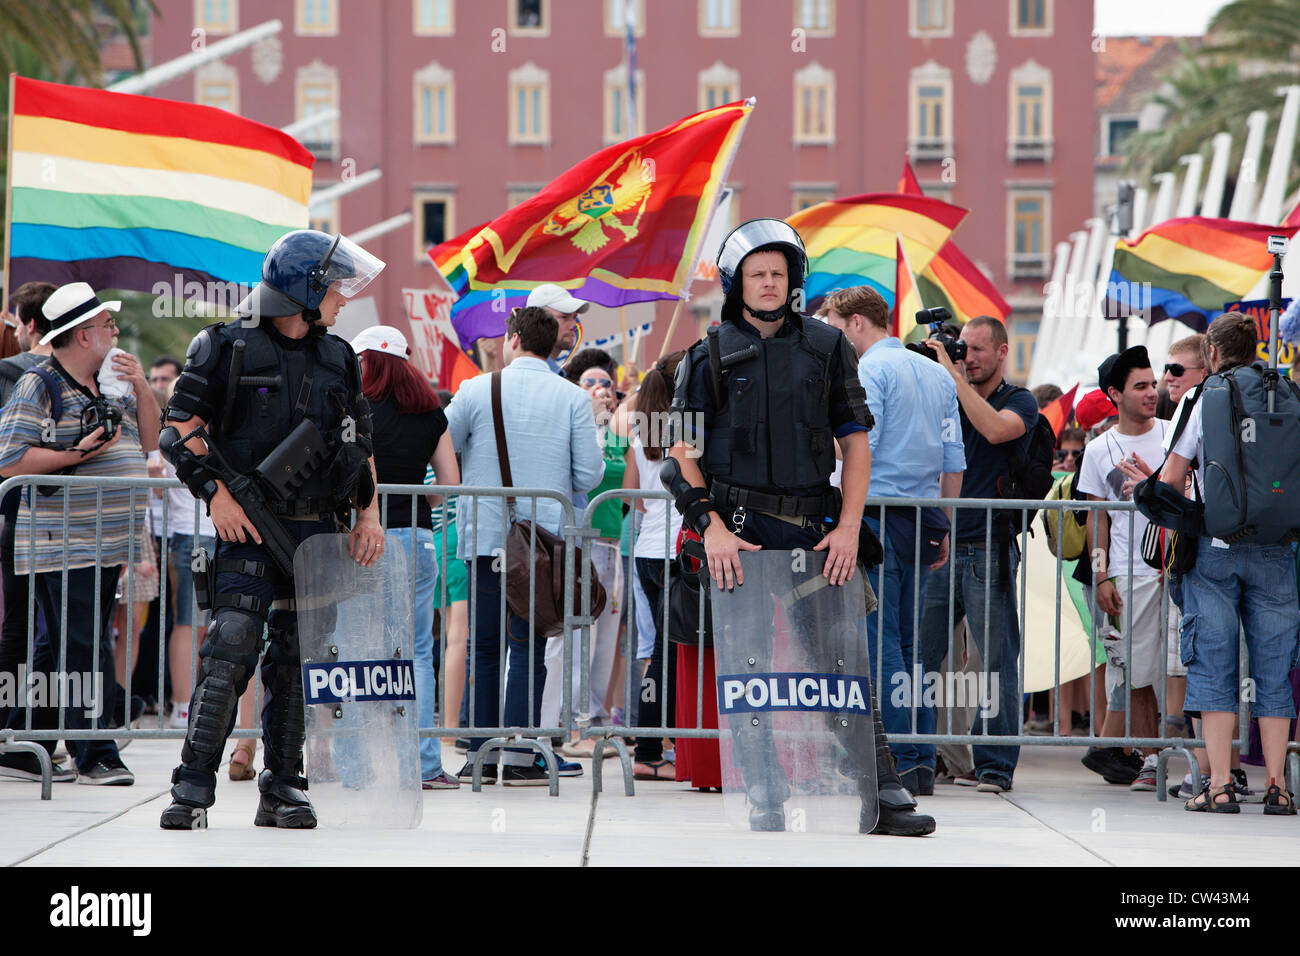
(624, 225)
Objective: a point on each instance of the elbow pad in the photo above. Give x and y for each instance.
(190, 469)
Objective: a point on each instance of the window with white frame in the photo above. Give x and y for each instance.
(930, 115)
(617, 127)
(217, 16)
(433, 219)
(719, 18)
(435, 18)
(815, 17)
(1028, 222)
(217, 84)
(530, 105)
(1031, 112)
(616, 18)
(316, 17)
(1115, 130)
(1031, 17)
(317, 91)
(435, 105)
(930, 18)
(814, 105)
(718, 86)
(529, 17)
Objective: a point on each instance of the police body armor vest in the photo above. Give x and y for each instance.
(262, 415)
(773, 428)
(1252, 456)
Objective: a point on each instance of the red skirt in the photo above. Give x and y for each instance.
(698, 760)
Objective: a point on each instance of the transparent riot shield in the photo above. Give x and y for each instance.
(794, 697)
(354, 628)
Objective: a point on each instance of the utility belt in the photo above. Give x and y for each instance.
(779, 506)
(303, 509)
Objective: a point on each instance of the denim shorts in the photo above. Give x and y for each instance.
(179, 555)
(1251, 588)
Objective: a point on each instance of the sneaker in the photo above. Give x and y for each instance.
(966, 780)
(1242, 790)
(1185, 790)
(994, 783)
(179, 718)
(466, 774)
(1039, 726)
(1145, 781)
(25, 766)
(568, 768)
(109, 772)
(1111, 764)
(533, 775)
(443, 782)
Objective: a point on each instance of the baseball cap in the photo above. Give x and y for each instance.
(381, 338)
(1114, 370)
(70, 305)
(1093, 408)
(551, 296)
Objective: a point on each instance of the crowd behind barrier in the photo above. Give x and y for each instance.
(672, 673)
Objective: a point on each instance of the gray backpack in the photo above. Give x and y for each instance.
(1252, 456)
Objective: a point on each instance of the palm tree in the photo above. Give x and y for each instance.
(1250, 52)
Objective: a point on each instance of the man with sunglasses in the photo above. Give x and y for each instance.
(34, 440)
(1186, 367)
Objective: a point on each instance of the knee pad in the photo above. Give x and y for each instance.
(235, 635)
(225, 664)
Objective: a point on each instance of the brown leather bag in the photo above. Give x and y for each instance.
(530, 546)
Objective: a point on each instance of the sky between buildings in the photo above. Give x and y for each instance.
(1153, 17)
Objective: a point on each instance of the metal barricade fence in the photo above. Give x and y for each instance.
(907, 684)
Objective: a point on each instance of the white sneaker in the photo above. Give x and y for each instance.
(179, 718)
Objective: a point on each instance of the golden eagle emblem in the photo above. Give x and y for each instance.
(623, 188)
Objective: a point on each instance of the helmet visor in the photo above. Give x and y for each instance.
(347, 267)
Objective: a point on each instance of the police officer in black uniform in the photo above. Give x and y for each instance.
(774, 390)
(246, 386)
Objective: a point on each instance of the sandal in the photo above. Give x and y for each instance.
(1278, 802)
(1207, 801)
(652, 771)
(243, 769)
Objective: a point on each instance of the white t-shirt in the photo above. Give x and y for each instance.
(650, 539)
(1191, 443)
(1100, 476)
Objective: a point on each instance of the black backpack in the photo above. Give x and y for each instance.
(1030, 474)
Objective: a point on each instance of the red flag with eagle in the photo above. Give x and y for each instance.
(624, 225)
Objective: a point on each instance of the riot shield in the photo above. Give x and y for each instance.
(794, 697)
(354, 627)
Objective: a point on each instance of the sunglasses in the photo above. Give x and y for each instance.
(589, 382)
(1177, 371)
(1069, 453)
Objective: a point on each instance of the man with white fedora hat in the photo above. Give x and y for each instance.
(58, 420)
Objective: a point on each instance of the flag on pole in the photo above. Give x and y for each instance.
(1059, 412)
(127, 192)
(622, 226)
(951, 280)
(907, 299)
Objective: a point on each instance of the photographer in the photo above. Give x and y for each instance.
(996, 418)
(92, 437)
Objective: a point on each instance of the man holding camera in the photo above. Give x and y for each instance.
(918, 453)
(996, 420)
(89, 436)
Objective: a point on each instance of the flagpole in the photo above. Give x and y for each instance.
(622, 329)
(9, 198)
(672, 327)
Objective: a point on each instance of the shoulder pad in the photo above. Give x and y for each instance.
(821, 336)
(204, 349)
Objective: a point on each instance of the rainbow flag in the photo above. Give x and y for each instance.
(907, 298)
(129, 192)
(854, 241)
(1060, 412)
(1186, 268)
(951, 280)
(622, 226)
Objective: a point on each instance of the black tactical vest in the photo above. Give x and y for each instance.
(773, 429)
(315, 382)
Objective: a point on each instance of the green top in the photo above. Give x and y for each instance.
(608, 518)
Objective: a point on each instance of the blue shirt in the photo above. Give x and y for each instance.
(917, 435)
(986, 463)
(551, 439)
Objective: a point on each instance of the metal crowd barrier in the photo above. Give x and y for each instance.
(576, 717)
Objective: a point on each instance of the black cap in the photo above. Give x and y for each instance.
(1113, 372)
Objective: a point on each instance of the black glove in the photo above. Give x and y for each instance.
(870, 551)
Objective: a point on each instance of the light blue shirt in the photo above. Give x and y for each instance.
(917, 435)
(551, 438)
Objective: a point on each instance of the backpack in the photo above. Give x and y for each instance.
(54, 392)
(1073, 540)
(1252, 456)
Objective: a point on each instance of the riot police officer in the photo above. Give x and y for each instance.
(247, 385)
(773, 391)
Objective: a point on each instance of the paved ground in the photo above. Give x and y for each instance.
(1058, 814)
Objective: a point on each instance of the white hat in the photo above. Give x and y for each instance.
(70, 305)
(381, 338)
(553, 297)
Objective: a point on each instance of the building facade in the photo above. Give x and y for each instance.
(470, 107)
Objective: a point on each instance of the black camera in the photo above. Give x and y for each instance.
(943, 330)
(101, 412)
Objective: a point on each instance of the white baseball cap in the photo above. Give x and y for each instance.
(381, 338)
(551, 296)
(70, 305)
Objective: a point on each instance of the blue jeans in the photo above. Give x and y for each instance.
(975, 568)
(425, 565)
(484, 684)
(891, 637)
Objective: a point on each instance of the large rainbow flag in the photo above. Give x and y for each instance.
(622, 226)
(951, 280)
(1187, 268)
(854, 241)
(126, 192)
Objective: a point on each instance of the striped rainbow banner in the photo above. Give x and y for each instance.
(1187, 268)
(126, 192)
(854, 241)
